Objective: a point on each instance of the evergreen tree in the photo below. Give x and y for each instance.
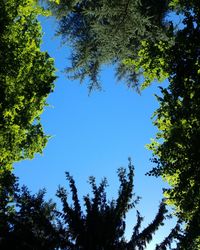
(108, 32)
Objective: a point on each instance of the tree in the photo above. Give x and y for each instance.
(26, 79)
(102, 225)
(29, 222)
(109, 32)
(176, 148)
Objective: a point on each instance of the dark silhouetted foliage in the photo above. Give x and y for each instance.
(29, 222)
(102, 224)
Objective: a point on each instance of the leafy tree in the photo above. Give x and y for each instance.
(29, 222)
(102, 225)
(152, 61)
(176, 148)
(109, 32)
(26, 79)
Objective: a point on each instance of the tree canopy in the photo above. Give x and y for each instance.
(137, 38)
(109, 32)
(176, 148)
(29, 222)
(26, 79)
(102, 226)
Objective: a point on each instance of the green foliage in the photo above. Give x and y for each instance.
(29, 222)
(108, 32)
(152, 62)
(26, 79)
(177, 150)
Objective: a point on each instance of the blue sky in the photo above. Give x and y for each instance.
(94, 135)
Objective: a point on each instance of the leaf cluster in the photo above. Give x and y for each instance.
(26, 79)
(177, 151)
(108, 32)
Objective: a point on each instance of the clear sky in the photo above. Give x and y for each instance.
(94, 135)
